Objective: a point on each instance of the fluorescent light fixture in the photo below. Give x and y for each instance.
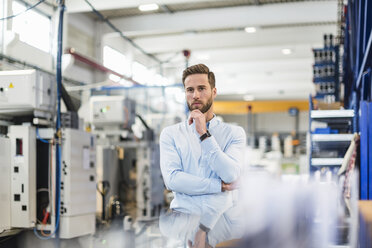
(286, 51)
(250, 29)
(248, 98)
(148, 7)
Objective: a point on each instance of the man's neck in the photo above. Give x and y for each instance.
(209, 114)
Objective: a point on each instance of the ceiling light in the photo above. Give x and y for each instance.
(250, 30)
(148, 7)
(286, 51)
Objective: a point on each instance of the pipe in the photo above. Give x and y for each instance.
(97, 66)
(61, 6)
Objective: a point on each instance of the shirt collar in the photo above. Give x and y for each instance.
(213, 122)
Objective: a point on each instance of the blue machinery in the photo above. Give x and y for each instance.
(357, 78)
(326, 73)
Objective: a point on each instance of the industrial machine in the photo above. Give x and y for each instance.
(150, 188)
(23, 176)
(58, 180)
(5, 185)
(128, 169)
(34, 195)
(78, 184)
(27, 93)
(29, 176)
(109, 111)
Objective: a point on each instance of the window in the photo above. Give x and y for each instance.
(160, 80)
(33, 28)
(116, 61)
(140, 73)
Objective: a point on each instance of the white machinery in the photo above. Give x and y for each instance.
(27, 92)
(107, 170)
(23, 176)
(19, 186)
(150, 188)
(28, 162)
(112, 111)
(110, 116)
(5, 168)
(78, 184)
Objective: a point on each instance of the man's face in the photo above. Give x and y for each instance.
(199, 94)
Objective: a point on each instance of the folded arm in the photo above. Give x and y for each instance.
(173, 173)
(226, 164)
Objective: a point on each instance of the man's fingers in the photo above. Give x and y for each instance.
(191, 120)
(196, 111)
(229, 186)
(194, 115)
(189, 243)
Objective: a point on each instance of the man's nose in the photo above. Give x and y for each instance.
(196, 94)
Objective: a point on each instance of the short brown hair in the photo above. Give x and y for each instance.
(199, 69)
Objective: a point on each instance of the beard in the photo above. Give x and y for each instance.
(203, 108)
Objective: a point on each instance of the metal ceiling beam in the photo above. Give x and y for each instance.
(270, 14)
(166, 9)
(237, 39)
(74, 6)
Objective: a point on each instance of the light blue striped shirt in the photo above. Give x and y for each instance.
(193, 170)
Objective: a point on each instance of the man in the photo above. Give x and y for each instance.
(200, 160)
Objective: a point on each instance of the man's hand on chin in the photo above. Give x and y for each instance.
(199, 119)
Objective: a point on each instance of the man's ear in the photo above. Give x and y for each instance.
(214, 92)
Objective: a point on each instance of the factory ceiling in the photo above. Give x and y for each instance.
(259, 49)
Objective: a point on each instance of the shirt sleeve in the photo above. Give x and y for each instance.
(213, 207)
(173, 173)
(227, 165)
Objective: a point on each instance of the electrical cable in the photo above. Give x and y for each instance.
(42, 190)
(50, 197)
(50, 186)
(58, 123)
(61, 6)
(31, 7)
(38, 137)
(143, 122)
(50, 181)
(121, 33)
(57, 210)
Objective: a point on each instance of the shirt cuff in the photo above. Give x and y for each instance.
(215, 186)
(204, 228)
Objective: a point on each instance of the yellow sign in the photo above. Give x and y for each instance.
(11, 86)
(242, 107)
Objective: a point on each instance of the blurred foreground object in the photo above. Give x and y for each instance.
(365, 224)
